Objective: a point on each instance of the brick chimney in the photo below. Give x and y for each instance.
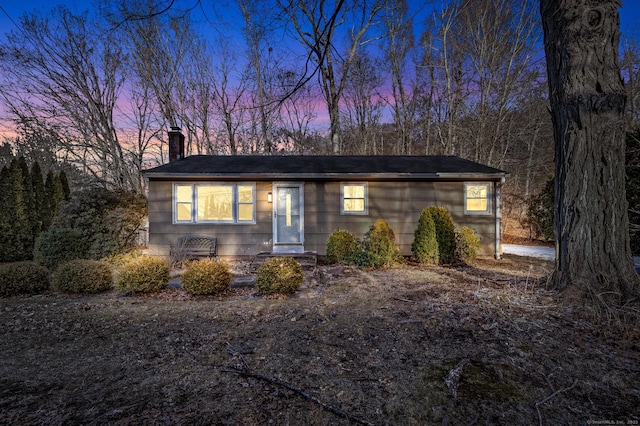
(176, 144)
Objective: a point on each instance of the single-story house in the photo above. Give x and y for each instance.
(292, 203)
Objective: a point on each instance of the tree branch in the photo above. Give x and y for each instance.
(559, 391)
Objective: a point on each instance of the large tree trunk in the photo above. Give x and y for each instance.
(587, 96)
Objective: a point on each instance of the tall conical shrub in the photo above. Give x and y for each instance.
(55, 195)
(21, 207)
(40, 203)
(425, 245)
(64, 185)
(6, 212)
(445, 234)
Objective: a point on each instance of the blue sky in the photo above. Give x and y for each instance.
(629, 13)
(12, 10)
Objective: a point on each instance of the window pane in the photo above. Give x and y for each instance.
(245, 194)
(287, 209)
(215, 202)
(477, 205)
(245, 212)
(183, 194)
(353, 205)
(354, 191)
(477, 197)
(183, 212)
(477, 191)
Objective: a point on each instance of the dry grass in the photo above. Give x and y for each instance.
(351, 346)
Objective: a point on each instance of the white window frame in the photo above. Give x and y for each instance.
(366, 198)
(488, 211)
(235, 202)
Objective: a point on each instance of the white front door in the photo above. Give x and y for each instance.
(288, 217)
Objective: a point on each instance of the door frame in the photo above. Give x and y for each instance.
(287, 247)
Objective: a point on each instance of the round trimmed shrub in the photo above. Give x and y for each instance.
(445, 234)
(467, 244)
(83, 276)
(342, 247)
(25, 277)
(60, 245)
(425, 245)
(380, 247)
(143, 275)
(206, 277)
(279, 275)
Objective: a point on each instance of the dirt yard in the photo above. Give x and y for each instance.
(407, 346)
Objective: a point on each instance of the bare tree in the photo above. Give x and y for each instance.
(256, 30)
(587, 94)
(167, 54)
(499, 40)
(316, 25)
(143, 143)
(446, 85)
(297, 112)
(364, 105)
(630, 67)
(228, 89)
(397, 45)
(63, 77)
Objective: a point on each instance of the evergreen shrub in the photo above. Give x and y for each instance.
(143, 275)
(83, 276)
(279, 275)
(342, 247)
(467, 244)
(56, 246)
(24, 277)
(425, 245)
(379, 247)
(206, 277)
(108, 220)
(445, 234)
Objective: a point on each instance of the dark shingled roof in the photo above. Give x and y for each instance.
(322, 167)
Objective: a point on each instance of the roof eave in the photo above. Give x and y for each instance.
(323, 176)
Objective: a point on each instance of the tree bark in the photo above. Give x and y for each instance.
(587, 95)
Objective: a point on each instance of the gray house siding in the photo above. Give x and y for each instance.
(398, 202)
(233, 239)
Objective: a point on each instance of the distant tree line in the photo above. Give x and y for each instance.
(30, 200)
(100, 89)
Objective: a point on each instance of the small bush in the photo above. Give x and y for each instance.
(60, 245)
(83, 276)
(467, 244)
(379, 247)
(425, 245)
(342, 247)
(23, 278)
(445, 234)
(206, 277)
(144, 274)
(279, 275)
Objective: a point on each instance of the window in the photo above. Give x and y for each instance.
(477, 198)
(211, 202)
(354, 198)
